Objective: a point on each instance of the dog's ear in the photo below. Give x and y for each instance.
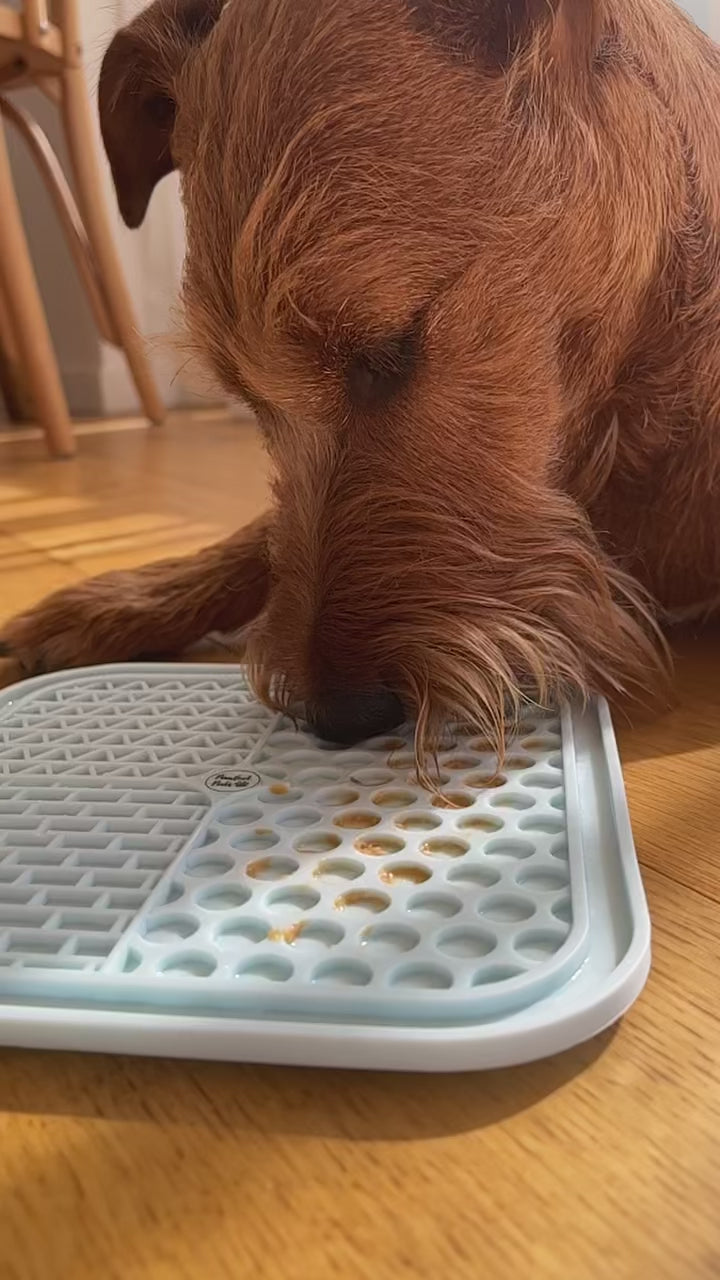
(495, 31)
(137, 99)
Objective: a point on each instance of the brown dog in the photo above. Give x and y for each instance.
(463, 258)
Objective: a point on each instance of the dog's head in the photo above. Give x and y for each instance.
(408, 252)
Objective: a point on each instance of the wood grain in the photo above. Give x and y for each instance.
(601, 1163)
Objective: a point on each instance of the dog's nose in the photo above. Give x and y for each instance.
(347, 718)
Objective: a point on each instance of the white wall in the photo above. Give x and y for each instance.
(94, 374)
(706, 13)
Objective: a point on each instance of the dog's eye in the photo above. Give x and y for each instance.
(376, 373)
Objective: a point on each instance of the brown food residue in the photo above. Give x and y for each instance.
(481, 824)
(392, 799)
(417, 822)
(444, 848)
(362, 898)
(318, 843)
(356, 821)
(415, 875)
(376, 848)
(289, 935)
(257, 869)
(486, 780)
(279, 789)
(451, 800)
(460, 762)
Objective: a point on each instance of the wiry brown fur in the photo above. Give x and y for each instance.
(529, 209)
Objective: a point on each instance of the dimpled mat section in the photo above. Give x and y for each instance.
(128, 725)
(94, 805)
(335, 885)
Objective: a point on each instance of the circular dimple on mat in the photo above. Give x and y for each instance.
(422, 977)
(395, 798)
(476, 873)
(562, 910)
(343, 973)
(453, 800)
(317, 842)
(276, 867)
(543, 825)
(239, 815)
(300, 898)
(444, 847)
(511, 800)
(441, 905)
(404, 873)
(208, 865)
(460, 764)
(540, 944)
(558, 801)
(509, 850)
(486, 781)
(318, 933)
(418, 821)
(255, 841)
(223, 897)
(403, 760)
(515, 763)
(319, 777)
(337, 797)
(297, 819)
(465, 943)
(480, 822)
(496, 974)
(482, 745)
(543, 742)
(170, 928)
(280, 793)
(378, 846)
(338, 869)
(543, 879)
(554, 761)
(559, 850)
(244, 929)
(356, 819)
(542, 780)
(507, 909)
(191, 964)
(362, 900)
(372, 777)
(388, 939)
(267, 968)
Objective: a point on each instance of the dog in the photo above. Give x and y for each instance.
(462, 258)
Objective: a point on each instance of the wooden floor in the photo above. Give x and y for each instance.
(601, 1163)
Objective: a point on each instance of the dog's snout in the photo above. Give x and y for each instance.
(347, 718)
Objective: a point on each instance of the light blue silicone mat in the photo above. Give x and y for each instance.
(183, 872)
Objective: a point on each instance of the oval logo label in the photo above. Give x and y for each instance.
(232, 780)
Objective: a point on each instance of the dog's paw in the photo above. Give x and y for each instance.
(103, 620)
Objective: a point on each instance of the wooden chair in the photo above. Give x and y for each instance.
(44, 49)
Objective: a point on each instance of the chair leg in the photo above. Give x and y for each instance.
(81, 142)
(26, 317)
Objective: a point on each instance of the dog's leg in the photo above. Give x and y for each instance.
(158, 610)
